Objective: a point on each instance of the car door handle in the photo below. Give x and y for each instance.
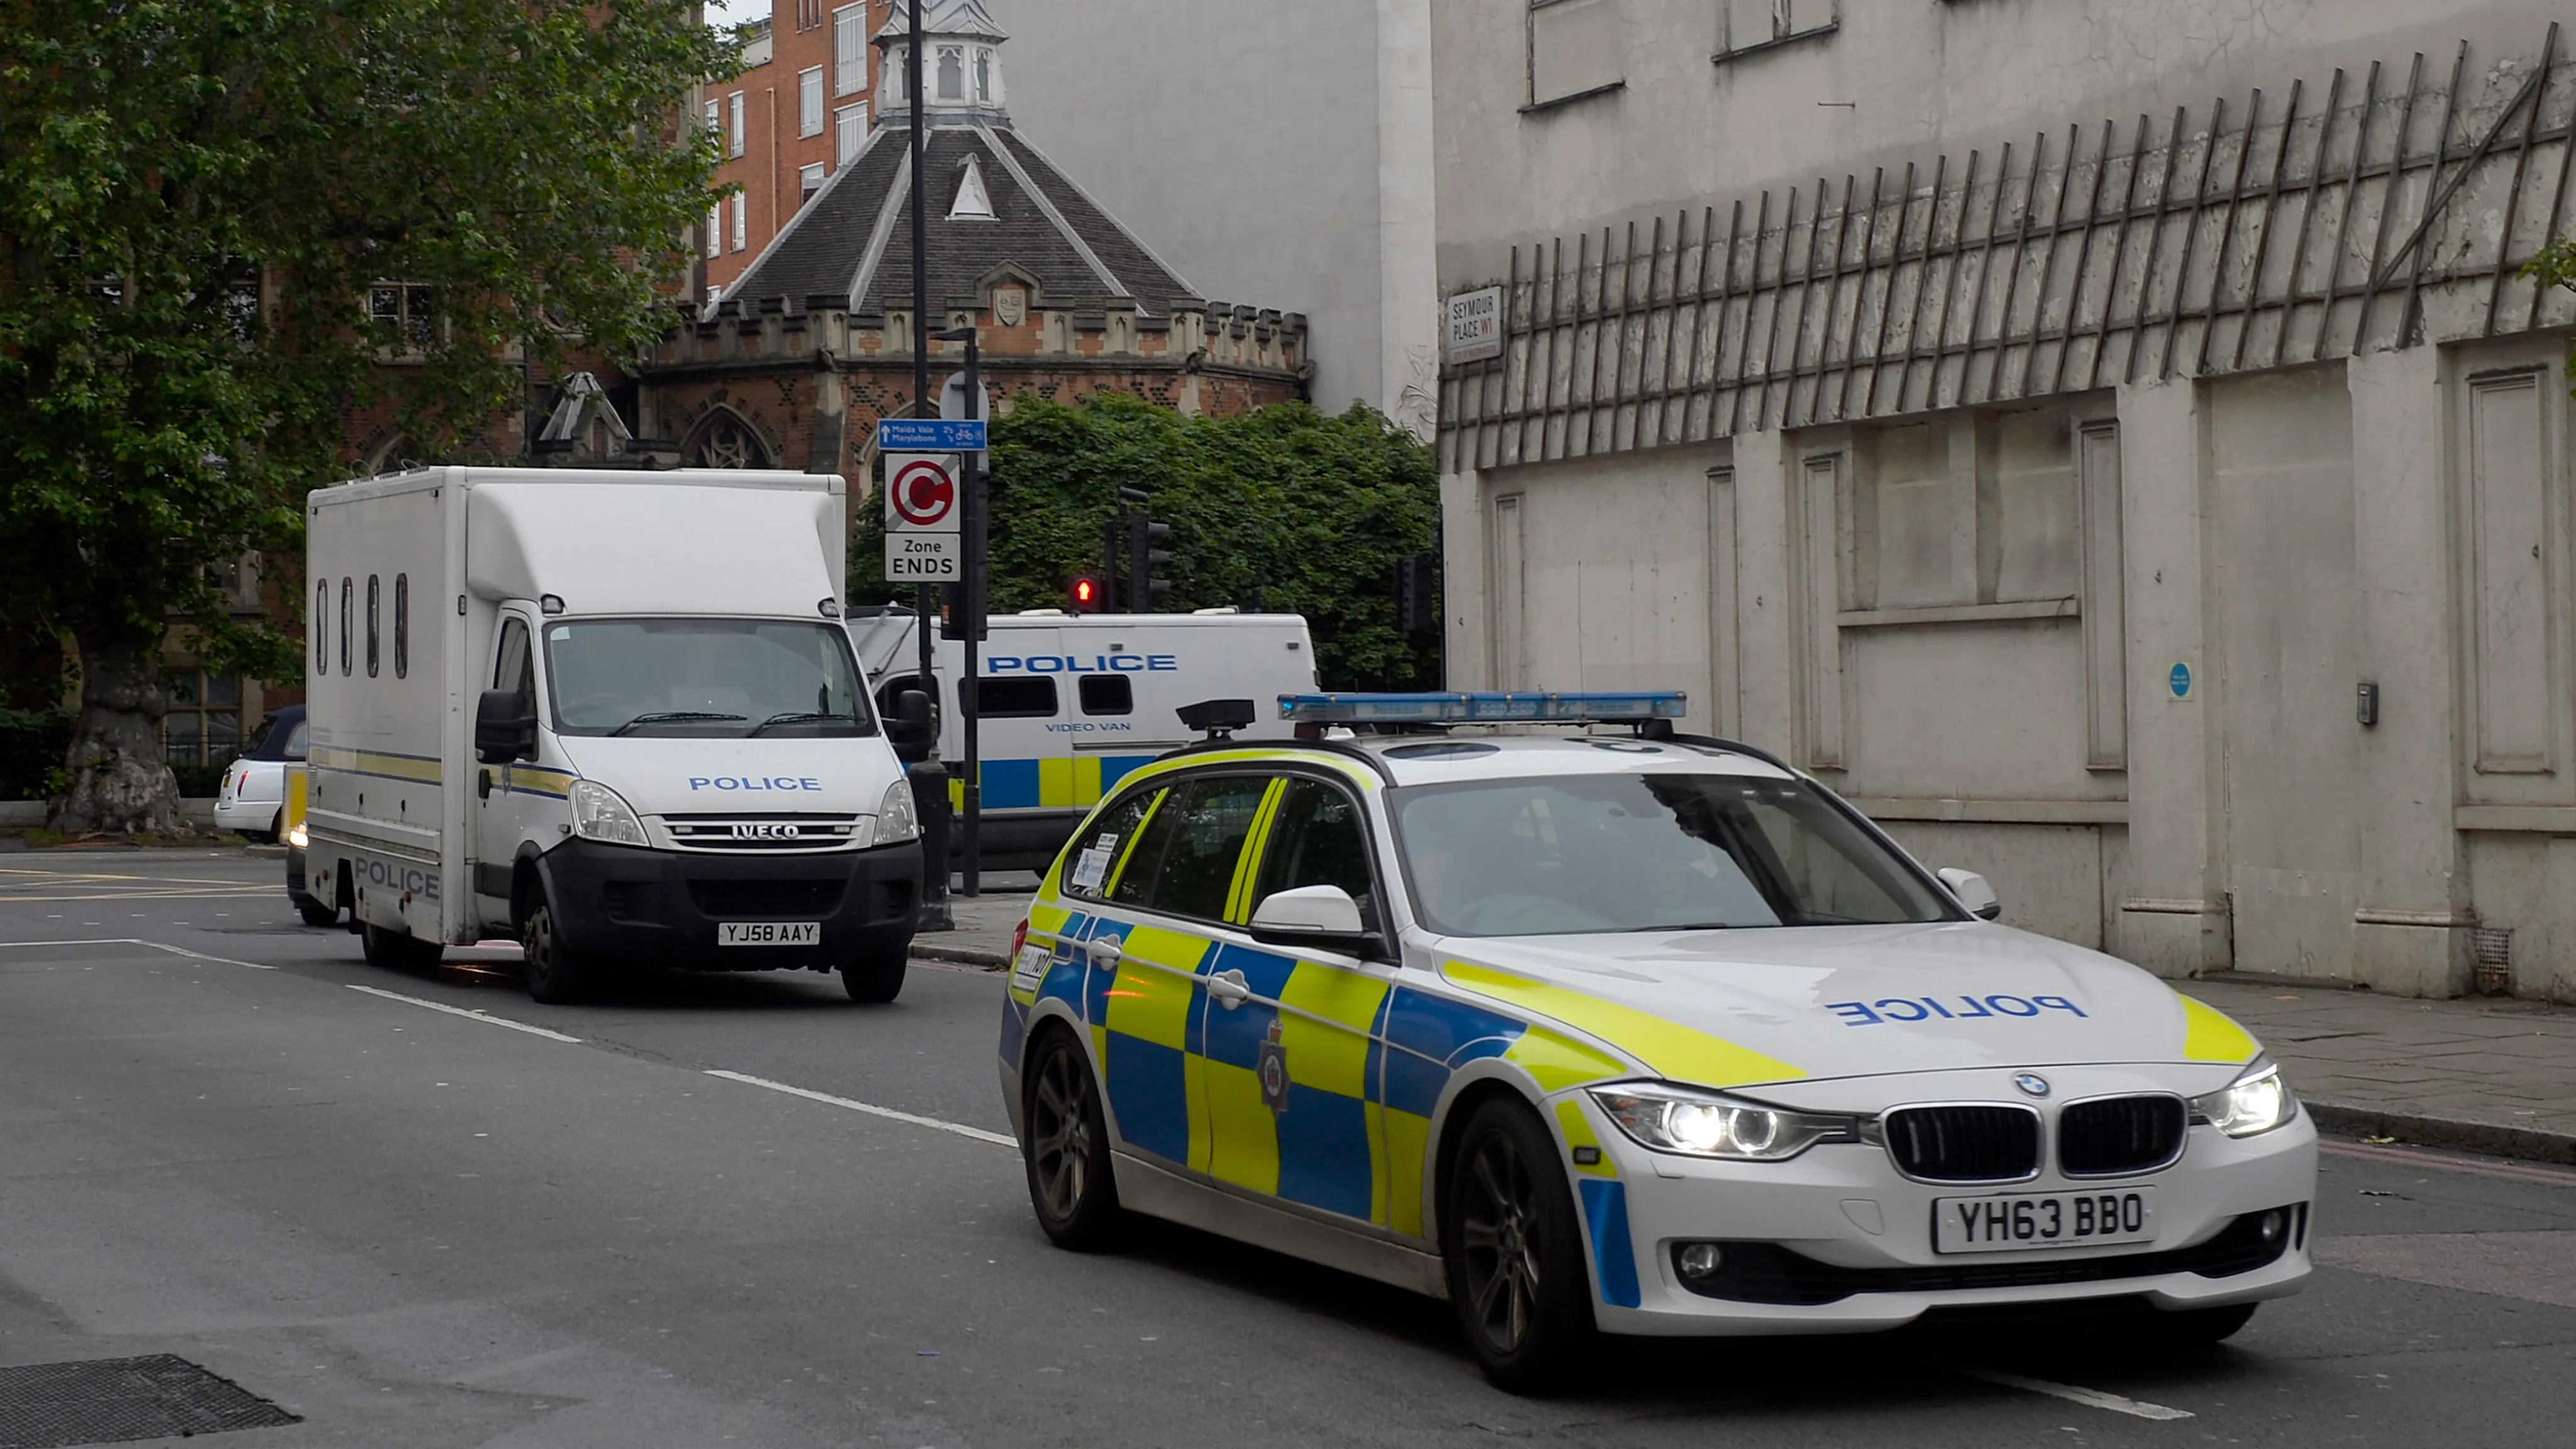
(1228, 989)
(1106, 951)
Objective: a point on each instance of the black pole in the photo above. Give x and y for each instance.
(971, 704)
(925, 598)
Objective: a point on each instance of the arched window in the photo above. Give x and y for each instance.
(952, 72)
(724, 440)
(983, 76)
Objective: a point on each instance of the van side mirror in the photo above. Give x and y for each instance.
(505, 728)
(1973, 892)
(911, 730)
(1323, 917)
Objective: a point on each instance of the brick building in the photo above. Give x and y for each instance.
(798, 113)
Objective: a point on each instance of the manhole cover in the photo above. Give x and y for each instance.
(120, 1400)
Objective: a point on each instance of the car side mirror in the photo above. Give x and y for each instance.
(504, 727)
(1973, 892)
(911, 729)
(1323, 917)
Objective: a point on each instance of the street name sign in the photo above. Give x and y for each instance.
(930, 435)
(923, 512)
(1476, 325)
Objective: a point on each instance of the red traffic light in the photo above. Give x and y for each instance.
(1086, 595)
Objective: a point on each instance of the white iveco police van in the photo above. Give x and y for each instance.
(1072, 702)
(612, 714)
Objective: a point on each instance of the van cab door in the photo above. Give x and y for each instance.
(512, 799)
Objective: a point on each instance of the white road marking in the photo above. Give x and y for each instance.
(2090, 1398)
(483, 1016)
(154, 945)
(959, 1128)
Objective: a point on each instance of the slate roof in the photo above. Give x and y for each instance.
(853, 241)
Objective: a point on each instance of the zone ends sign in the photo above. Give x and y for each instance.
(922, 519)
(1476, 325)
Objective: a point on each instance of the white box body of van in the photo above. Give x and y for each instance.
(1072, 702)
(428, 586)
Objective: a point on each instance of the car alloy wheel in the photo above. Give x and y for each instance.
(1494, 1218)
(1066, 1145)
(1514, 1248)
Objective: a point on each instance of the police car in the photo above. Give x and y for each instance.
(1619, 1031)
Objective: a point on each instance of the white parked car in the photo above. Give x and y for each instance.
(1626, 1033)
(253, 794)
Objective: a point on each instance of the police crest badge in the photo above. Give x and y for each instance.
(1274, 1071)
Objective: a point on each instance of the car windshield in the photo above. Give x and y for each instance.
(704, 679)
(1571, 854)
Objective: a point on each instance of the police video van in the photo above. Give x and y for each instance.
(614, 715)
(1072, 702)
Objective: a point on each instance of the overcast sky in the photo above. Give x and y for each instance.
(734, 12)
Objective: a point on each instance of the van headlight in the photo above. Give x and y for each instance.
(2255, 1102)
(598, 814)
(896, 820)
(1704, 1124)
(296, 837)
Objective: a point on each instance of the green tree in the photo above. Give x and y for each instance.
(198, 202)
(2555, 266)
(1305, 511)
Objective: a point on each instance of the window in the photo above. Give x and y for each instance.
(403, 314)
(809, 13)
(1754, 24)
(849, 128)
(734, 146)
(705, 679)
(1573, 49)
(203, 725)
(321, 627)
(1108, 694)
(1318, 837)
(983, 76)
(1024, 698)
(1184, 861)
(346, 585)
(741, 220)
(715, 120)
(809, 179)
(849, 50)
(513, 668)
(952, 73)
(715, 231)
(1092, 866)
(809, 102)
(898, 73)
(402, 626)
(375, 620)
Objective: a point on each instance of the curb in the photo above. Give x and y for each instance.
(2527, 1143)
(959, 954)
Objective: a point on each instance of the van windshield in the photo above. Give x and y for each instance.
(704, 679)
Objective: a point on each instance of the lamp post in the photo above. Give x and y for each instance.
(970, 704)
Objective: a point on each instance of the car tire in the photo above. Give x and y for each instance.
(398, 950)
(2200, 1327)
(315, 913)
(1064, 1143)
(556, 974)
(277, 827)
(875, 977)
(1513, 1245)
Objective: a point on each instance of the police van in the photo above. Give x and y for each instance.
(614, 715)
(1072, 702)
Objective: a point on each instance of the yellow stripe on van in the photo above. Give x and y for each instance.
(1668, 1048)
(2208, 1035)
(1055, 785)
(1086, 780)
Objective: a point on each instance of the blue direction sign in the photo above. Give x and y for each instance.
(930, 435)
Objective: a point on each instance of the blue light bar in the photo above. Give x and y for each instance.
(1483, 708)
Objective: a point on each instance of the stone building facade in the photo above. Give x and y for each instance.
(2111, 444)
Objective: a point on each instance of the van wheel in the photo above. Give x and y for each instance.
(556, 975)
(277, 828)
(398, 950)
(315, 913)
(1514, 1252)
(1064, 1140)
(876, 976)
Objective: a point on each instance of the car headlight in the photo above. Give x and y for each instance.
(2255, 1102)
(1704, 1124)
(296, 837)
(896, 820)
(598, 814)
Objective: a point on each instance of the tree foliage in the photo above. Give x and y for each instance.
(2555, 266)
(1298, 510)
(198, 202)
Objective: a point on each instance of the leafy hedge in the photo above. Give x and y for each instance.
(1301, 511)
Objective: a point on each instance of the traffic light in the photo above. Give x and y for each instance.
(1143, 558)
(1086, 594)
(1417, 597)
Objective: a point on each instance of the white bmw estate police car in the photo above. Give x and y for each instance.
(1630, 1033)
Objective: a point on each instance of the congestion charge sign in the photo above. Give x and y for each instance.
(922, 519)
